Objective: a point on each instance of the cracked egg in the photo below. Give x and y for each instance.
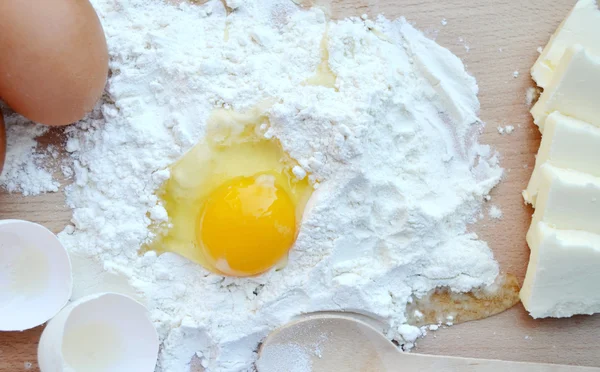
(235, 200)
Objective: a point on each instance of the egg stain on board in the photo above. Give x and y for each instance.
(234, 202)
(443, 306)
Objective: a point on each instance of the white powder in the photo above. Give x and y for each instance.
(509, 129)
(410, 333)
(495, 212)
(26, 168)
(531, 96)
(393, 148)
(463, 42)
(285, 357)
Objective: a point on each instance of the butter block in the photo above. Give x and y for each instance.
(562, 277)
(574, 89)
(568, 200)
(567, 143)
(582, 26)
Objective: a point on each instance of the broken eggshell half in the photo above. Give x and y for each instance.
(35, 275)
(100, 332)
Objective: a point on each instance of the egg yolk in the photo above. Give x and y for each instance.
(233, 202)
(247, 225)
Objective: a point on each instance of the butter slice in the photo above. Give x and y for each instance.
(567, 200)
(562, 277)
(582, 26)
(574, 90)
(567, 143)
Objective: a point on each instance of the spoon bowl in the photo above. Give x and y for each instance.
(343, 343)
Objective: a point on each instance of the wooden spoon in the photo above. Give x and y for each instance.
(340, 343)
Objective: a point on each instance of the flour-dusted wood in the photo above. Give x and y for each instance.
(495, 39)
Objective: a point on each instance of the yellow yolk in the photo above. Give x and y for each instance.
(247, 225)
(233, 202)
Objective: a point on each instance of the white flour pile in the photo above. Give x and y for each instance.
(393, 148)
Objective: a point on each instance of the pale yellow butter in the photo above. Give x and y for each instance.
(567, 143)
(582, 26)
(568, 200)
(574, 90)
(564, 237)
(563, 273)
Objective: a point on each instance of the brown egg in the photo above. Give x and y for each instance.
(53, 59)
(2, 142)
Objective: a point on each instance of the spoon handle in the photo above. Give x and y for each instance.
(424, 363)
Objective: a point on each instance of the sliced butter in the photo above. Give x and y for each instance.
(582, 26)
(567, 143)
(567, 200)
(562, 277)
(574, 89)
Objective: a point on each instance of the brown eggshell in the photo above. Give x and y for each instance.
(2, 142)
(53, 59)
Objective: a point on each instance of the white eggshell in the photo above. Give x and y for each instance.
(35, 275)
(102, 332)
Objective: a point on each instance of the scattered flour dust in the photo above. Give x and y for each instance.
(393, 146)
(531, 96)
(509, 129)
(495, 212)
(25, 171)
(285, 357)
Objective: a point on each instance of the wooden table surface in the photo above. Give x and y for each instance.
(495, 39)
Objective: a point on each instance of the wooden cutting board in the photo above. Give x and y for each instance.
(495, 39)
